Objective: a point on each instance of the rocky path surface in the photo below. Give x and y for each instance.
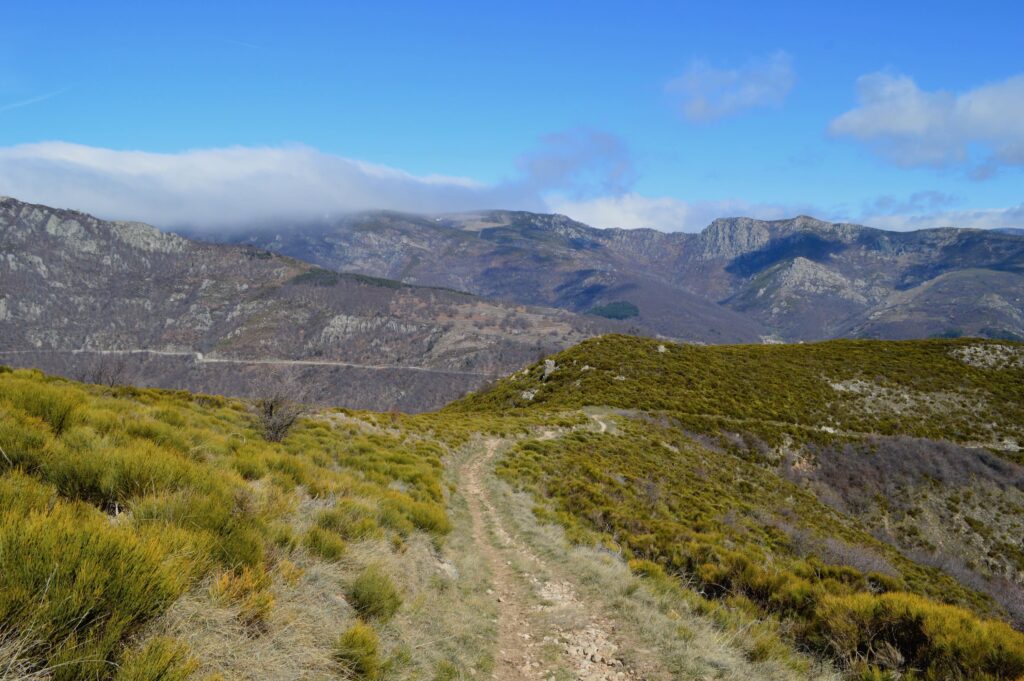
(545, 631)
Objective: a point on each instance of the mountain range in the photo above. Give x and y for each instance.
(739, 280)
(385, 310)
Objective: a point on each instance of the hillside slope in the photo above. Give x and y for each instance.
(145, 534)
(148, 535)
(843, 488)
(849, 509)
(82, 296)
(737, 280)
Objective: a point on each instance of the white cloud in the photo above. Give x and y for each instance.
(981, 218)
(709, 93)
(982, 128)
(231, 187)
(928, 201)
(249, 186)
(584, 174)
(586, 162)
(631, 211)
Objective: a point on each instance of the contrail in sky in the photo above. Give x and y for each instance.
(33, 100)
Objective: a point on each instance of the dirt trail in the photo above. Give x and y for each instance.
(544, 628)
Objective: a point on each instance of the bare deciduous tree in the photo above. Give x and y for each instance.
(278, 402)
(105, 368)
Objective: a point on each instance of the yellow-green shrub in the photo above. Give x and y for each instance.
(76, 583)
(56, 405)
(374, 595)
(113, 501)
(248, 589)
(938, 641)
(351, 518)
(159, 659)
(324, 543)
(719, 521)
(358, 651)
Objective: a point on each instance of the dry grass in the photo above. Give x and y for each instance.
(295, 642)
(444, 628)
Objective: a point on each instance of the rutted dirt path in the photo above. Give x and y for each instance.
(545, 631)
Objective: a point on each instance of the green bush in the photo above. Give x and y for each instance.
(160, 659)
(619, 309)
(56, 405)
(906, 632)
(358, 651)
(352, 519)
(77, 584)
(374, 595)
(324, 543)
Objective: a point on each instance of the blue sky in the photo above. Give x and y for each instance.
(621, 114)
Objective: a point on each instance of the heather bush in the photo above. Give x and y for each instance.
(159, 659)
(374, 595)
(357, 650)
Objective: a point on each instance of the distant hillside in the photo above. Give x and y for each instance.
(89, 298)
(737, 281)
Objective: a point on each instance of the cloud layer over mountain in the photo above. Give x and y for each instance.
(586, 174)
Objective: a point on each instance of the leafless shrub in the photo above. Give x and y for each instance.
(1005, 592)
(885, 467)
(105, 368)
(833, 551)
(278, 402)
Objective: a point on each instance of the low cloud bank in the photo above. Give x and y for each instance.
(585, 174)
(223, 189)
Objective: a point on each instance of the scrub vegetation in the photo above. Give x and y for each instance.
(788, 509)
(692, 482)
(117, 502)
(821, 392)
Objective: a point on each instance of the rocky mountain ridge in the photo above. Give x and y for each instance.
(739, 280)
